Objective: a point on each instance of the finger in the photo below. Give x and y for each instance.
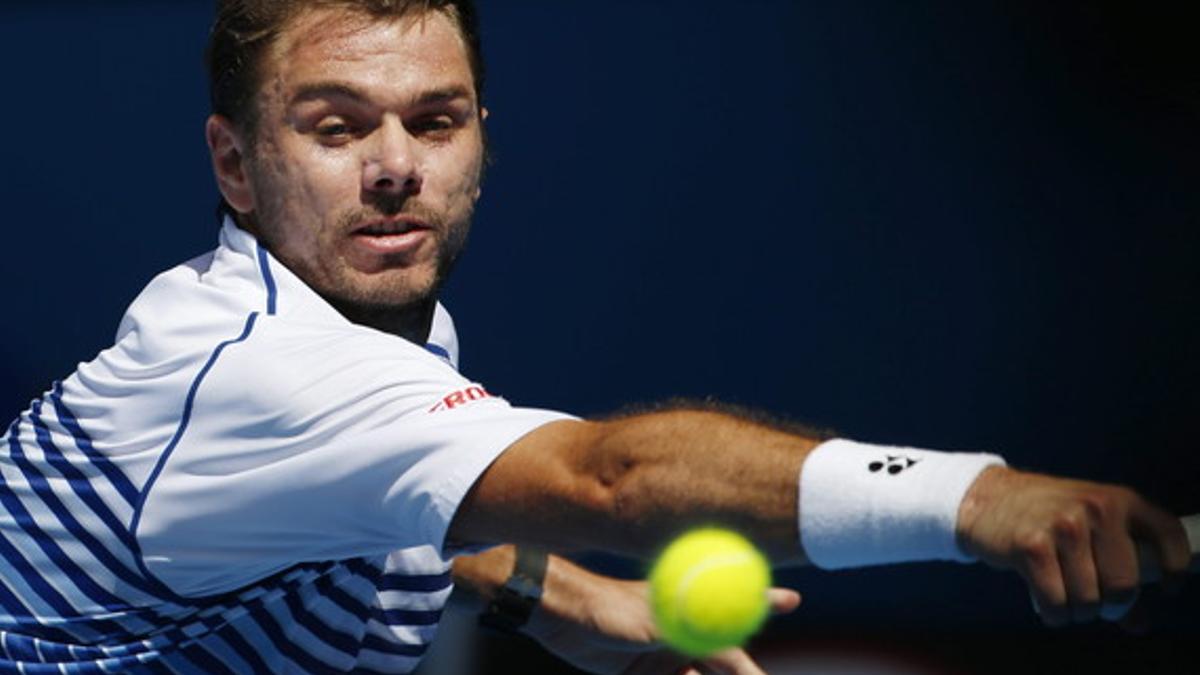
(1164, 534)
(1038, 564)
(783, 600)
(1117, 567)
(1073, 541)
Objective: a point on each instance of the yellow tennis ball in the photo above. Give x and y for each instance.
(709, 591)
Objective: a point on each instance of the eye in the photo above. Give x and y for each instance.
(334, 129)
(433, 125)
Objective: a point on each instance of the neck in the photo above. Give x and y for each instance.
(411, 322)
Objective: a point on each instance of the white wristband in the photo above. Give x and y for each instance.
(866, 504)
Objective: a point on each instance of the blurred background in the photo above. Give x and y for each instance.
(942, 224)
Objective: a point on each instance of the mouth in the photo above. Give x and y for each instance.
(390, 226)
(391, 236)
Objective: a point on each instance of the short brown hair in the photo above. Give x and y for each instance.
(244, 29)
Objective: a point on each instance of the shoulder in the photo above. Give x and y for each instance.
(198, 298)
(285, 364)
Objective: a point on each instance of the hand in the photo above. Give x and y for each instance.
(605, 625)
(1074, 542)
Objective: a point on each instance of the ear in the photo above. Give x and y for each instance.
(484, 113)
(226, 148)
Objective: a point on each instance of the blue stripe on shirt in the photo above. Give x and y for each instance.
(406, 617)
(242, 648)
(437, 350)
(183, 425)
(22, 619)
(83, 441)
(285, 645)
(69, 568)
(83, 489)
(416, 583)
(32, 577)
(343, 600)
(334, 639)
(264, 266)
(378, 644)
(18, 649)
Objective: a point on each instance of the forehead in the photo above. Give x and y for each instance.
(422, 50)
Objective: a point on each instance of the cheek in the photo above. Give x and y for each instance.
(315, 182)
(293, 207)
(462, 186)
(334, 174)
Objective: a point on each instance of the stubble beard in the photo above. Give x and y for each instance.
(401, 288)
(397, 297)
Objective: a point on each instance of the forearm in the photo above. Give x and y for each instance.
(484, 573)
(674, 470)
(627, 484)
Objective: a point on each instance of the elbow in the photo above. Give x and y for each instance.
(622, 491)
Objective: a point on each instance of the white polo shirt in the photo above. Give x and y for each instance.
(245, 482)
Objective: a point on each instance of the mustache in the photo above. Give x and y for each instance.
(390, 203)
(388, 208)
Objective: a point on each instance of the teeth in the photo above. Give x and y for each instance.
(389, 228)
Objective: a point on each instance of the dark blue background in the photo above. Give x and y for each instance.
(924, 223)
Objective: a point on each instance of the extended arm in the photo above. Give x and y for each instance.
(627, 485)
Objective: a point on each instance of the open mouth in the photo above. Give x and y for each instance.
(391, 237)
(388, 228)
(401, 238)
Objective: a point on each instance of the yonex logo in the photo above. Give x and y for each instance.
(461, 397)
(894, 464)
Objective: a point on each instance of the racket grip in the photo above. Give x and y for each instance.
(1148, 559)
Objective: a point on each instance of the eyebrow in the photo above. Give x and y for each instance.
(322, 90)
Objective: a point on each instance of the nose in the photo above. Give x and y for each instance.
(390, 165)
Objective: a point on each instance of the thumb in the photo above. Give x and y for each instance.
(783, 600)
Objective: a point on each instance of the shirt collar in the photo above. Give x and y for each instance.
(287, 295)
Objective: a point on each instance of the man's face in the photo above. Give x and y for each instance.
(368, 154)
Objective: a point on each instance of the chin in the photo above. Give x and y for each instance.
(394, 295)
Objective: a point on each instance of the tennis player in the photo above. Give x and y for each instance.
(277, 467)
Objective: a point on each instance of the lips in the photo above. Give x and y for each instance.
(387, 227)
(390, 237)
